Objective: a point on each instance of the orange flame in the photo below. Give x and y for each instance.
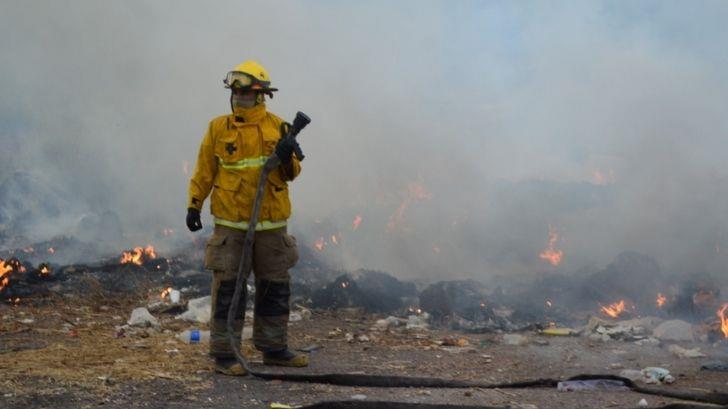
(723, 319)
(661, 299)
(603, 178)
(165, 292)
(136, 256)
(550, 254)
(319, 244)
(5, 270)
(614, 309)
(357, 221)
(45, 271)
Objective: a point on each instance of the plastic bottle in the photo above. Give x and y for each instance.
(194, 336)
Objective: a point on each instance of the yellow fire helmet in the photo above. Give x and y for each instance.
(250, 75)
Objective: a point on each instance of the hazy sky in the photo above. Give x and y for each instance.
(460, 131)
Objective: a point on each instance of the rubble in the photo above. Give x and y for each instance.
(674, 330)
(373, 291)
(681, 352)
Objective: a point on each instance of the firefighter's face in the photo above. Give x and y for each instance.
(244, 98)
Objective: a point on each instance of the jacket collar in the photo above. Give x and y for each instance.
(248, 116)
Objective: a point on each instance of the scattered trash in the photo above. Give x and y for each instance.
(194, 336)
(310, 348)
(198, 310)
(642, 403)
(140, 317)
(681, 352)
(514, 339)
(674, 330)
(387, 323)
(563, 332)
(591, 384)
(656, 375)
(717, 366)
(174, 296)
(649, 375)
(418, 322)
(648, 342)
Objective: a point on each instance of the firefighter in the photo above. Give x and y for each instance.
(231, 156)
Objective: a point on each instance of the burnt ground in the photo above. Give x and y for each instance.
(62, 353)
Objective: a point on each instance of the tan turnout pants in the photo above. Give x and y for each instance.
(274, 252)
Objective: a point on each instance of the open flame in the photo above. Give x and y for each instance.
(614, 309)
(165, 292)
(357, 221)
(550, 254)
(45, 270)
(319, 244)
(661, 299)
(723, 319)
(5, 270)
(138, 255)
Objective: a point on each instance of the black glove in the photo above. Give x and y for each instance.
(193, 219)
(285, 149)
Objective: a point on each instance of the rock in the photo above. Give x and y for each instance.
(514, 339)
(198, 310)
(674, 330)
(681, 352)
(140, 317)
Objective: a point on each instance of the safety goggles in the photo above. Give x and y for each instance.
(239, 79)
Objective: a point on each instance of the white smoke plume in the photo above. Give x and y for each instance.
(460, 132)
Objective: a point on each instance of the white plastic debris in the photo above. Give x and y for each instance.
(140, 317)
(174, 296)
(514, 339)
(681, 352)
(198, 310)
(359, 396)
(642, 403)
(418, 321)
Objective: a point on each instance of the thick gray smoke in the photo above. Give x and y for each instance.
(461, 134)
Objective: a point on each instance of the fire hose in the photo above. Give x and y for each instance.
(387, 381)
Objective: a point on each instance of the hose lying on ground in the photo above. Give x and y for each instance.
(386, 381)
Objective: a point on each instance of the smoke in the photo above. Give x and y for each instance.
(460, 133)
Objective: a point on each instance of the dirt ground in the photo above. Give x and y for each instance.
(61, 353)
